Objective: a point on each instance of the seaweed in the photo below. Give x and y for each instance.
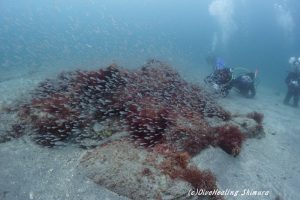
(256, 116)
(229, 139)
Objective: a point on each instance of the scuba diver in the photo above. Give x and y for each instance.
(221, 78)
(245, 84)
(293, 82)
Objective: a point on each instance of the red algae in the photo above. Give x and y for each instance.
(230, 139)
(159, 111)
(148, 103)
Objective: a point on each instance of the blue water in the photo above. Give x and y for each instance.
(54, 35)
(252, 34)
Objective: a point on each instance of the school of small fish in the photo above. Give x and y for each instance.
(152, 103)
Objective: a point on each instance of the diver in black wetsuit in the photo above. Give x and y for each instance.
(245, 84)
(221, 78)
(293, 83)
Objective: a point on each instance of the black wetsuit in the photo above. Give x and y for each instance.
(245, 85)
(293, 83)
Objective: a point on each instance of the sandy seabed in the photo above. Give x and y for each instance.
(270, 164)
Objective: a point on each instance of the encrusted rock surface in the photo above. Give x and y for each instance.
(132, 172)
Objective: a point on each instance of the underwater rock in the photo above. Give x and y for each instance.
(133, 172)
(146, 102)
(249, 127)
(144, 125)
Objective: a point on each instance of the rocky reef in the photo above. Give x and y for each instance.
(142, 127)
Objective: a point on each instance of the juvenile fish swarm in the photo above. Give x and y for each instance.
(152, 103)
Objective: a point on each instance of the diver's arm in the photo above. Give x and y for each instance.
(288, 78)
